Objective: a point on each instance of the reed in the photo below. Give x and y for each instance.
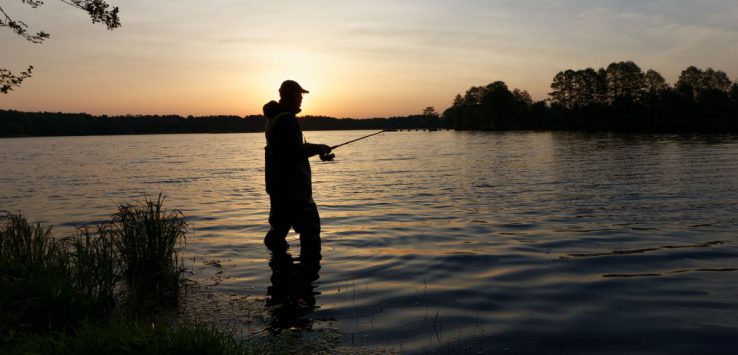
(49, 284)
(146, 238)
(38, 291)
(95, 264)
(23, 245)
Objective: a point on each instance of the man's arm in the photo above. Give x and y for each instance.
(315, 149)
(288, 140)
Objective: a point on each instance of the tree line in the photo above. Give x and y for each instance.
(19, 124)
(620, 97)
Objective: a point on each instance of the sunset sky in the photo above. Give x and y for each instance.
(358, 58)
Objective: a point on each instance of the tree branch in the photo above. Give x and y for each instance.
(98, 10)
(8, 81)
(33, 3)
(20, 28)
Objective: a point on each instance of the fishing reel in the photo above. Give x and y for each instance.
(327, 156)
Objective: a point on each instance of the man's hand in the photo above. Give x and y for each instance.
(323, 149)
(315, 149)
(325, 154)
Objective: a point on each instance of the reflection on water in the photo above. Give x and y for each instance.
(449, 241)
(292, 295)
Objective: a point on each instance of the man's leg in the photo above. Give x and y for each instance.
(275, 239)
(280, 227)
(308, 226)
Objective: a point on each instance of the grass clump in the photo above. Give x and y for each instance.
(146, 238)
(38, 291)
(63, 294)
(23, 245)
(94, 263)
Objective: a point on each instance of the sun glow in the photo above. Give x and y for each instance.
(309, 69)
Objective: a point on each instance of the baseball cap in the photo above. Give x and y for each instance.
(291, 86)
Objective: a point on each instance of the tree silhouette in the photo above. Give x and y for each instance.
(489, 107)
(523, 96)
(99, 11)
(430, 114)
(429, 111)
(625, 81)
(563, 85)
(620, 82)
(654, 82)
(618, 98)
(695, 84)
(690, 82)
(589, 87)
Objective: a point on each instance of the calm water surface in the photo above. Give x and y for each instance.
(441, 241)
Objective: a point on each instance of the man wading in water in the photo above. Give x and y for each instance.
(288, 177)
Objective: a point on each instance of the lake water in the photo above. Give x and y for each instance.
(439, 241)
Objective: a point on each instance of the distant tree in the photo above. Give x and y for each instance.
(99, 11)
(558, 95)
(654, 82)
(590, 87)
(694, 83)
(625, 81)
(579, 88)
(734, 93)
(458, 100)
(562, 86)
(602, 86)
(523, 96)
(522, 104)
(689, 82)
(490, 107)
(497, 105)
(453, 115)
(715, 80)
(430, 114)
(474, 95)
(620, 97)
(429, 111)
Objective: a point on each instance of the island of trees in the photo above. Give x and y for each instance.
(620, 97)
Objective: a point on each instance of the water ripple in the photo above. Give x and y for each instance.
(506, 242)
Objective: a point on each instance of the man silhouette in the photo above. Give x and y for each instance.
(288, 176)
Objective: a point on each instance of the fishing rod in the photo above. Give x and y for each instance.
(357, 139)
(330, 156)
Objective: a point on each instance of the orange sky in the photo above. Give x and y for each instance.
(358, 58)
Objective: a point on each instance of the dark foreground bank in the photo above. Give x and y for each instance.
(106, 290)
